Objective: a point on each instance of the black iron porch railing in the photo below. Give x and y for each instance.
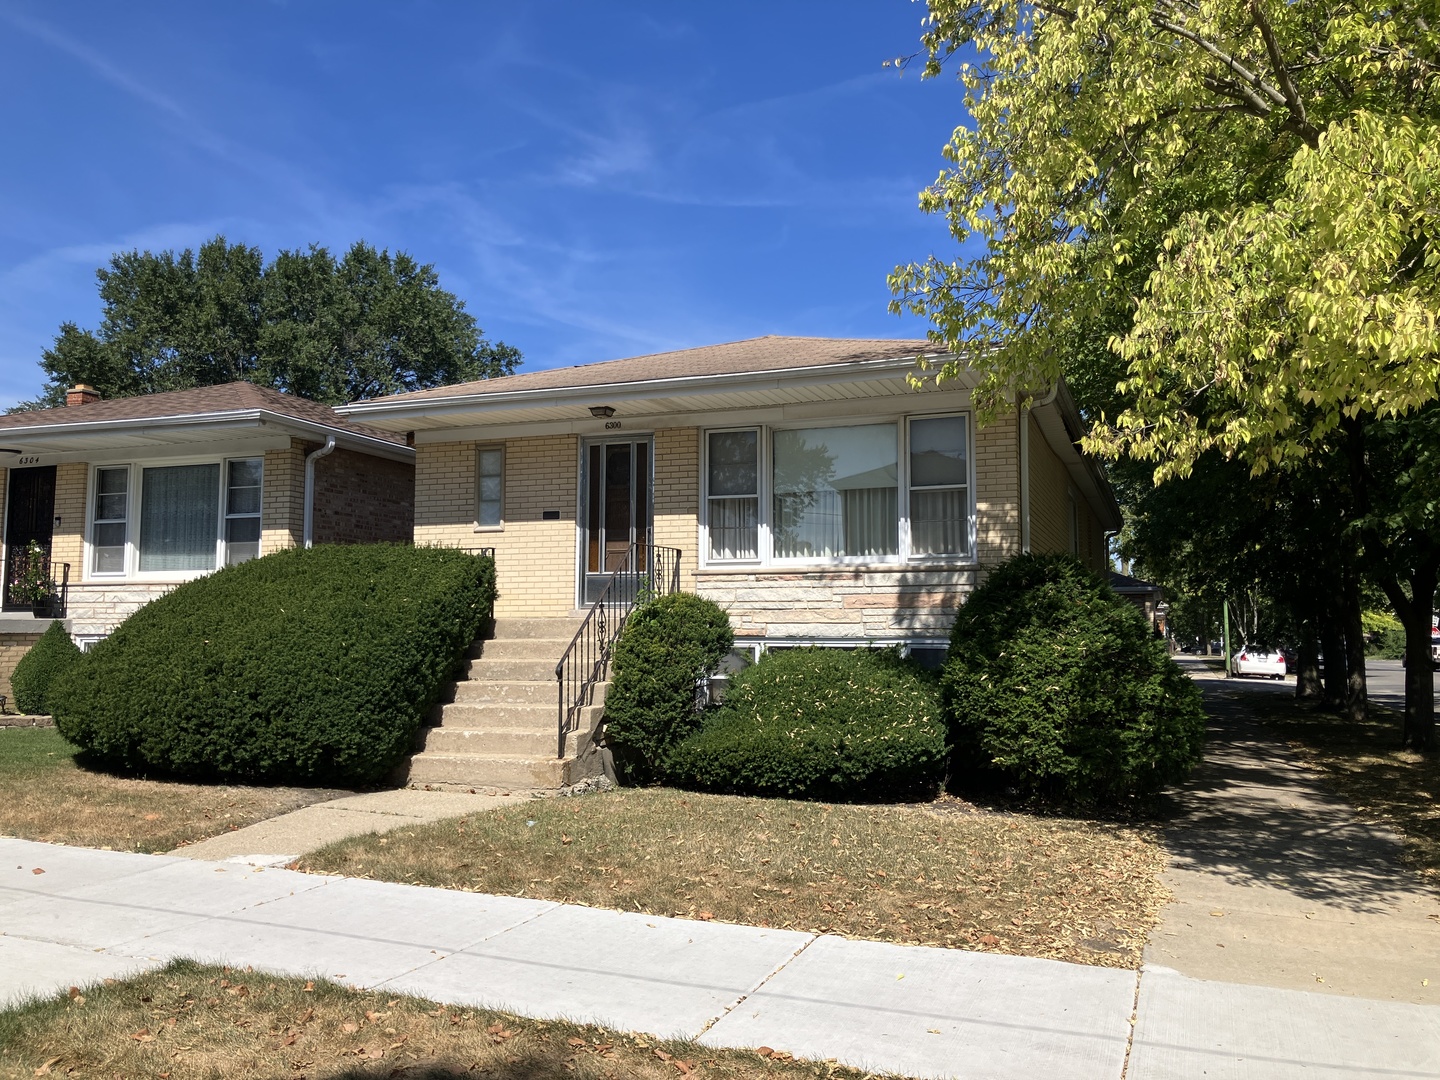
(646, 571)
(22, 571)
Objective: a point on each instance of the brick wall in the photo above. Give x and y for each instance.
(997, 490)
(1049, 496)
(677, 497)
(362, 499)
(282, 510)
(68, 543)
(12, 648)
(535, 559)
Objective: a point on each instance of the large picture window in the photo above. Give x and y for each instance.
(840, 493)
(175, 520)
(836, 492)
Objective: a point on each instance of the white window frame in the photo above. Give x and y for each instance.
(135, 508)
(766, 557)
(479, 449)
(762, 517)
(92, 520)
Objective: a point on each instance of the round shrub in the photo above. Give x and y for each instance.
(1054, 686)
(668, 645)
(307, 666)
(821, 723)
(38, 669)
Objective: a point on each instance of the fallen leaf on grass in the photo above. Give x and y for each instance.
(143, 1035)
(705, 916)
(350, 1028)
(44, 1070)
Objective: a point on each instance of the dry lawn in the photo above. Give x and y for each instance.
(940, 874)
(45, 795)
(1399, 788)
(197, 1022)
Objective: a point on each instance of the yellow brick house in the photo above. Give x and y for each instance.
(801, 483)
(806, 486)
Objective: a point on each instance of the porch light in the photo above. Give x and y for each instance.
(602, 412)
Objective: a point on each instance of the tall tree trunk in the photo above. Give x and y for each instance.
(1332, 640)
(1307, 663)
(1414, 612)
(1355, 689)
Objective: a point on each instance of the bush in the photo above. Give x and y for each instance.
(47, 659)
(1055, 686)
(821, 723)
(307, 666)
(667, 646)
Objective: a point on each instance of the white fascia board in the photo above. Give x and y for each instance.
(113, 455)
(395, 414)
(884, 408)
(71, 438)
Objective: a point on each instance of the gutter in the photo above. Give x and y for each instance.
(310, 459)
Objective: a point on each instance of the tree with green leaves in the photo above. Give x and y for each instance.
(367, 324)
(1237, 196)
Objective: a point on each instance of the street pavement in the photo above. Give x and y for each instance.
(915, 1011)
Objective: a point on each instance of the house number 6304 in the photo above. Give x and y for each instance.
(32, 459)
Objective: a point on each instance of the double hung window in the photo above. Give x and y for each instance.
(860, 492)
(175, 520)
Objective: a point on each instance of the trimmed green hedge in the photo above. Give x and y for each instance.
(1056, 687)
(307, 666)
(821, 724)
(49, 658)
(668, 645)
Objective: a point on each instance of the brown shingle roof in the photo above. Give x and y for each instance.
(768, 353)
(201, 401)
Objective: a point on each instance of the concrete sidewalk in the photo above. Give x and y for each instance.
(279, 840)
(916, 1011)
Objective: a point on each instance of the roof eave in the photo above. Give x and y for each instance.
(230, 418)
(378, 410)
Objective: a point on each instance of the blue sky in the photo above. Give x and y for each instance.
(594, 180)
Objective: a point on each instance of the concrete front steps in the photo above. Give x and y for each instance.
(500, 732)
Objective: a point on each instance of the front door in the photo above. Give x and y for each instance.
(616, 511)
(29, 517)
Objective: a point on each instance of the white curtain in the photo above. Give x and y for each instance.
(938, 522)
(179, 517)
(734, 528)
(836, 492)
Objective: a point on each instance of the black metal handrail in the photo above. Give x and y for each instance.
(646, 571)
(57, 603)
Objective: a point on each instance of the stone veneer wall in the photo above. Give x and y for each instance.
(846, 605)
(534, 558)
(361, 499)
(97, 607)
(12, 648)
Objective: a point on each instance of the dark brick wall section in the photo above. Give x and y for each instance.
(361, 499)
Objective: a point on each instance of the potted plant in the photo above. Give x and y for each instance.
(35, 584)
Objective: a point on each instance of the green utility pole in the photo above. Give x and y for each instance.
(1226, 616)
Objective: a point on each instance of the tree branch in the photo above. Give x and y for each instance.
(1299, 121)
(1263, 89)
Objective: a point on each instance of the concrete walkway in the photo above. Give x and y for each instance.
(1277, 883)
(285, 838)
(916, 1011)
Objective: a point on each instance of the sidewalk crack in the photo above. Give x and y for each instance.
(1134, 1016)
(757, 987)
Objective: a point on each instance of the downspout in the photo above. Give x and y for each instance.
(310, 459)
(1023, 416)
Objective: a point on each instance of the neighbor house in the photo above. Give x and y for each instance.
(128, 497)
(809, 488)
